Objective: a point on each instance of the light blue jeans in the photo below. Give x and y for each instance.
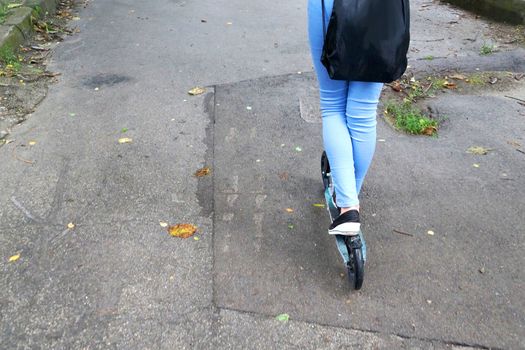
(349, 111)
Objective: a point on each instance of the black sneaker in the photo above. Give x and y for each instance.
(346, 224)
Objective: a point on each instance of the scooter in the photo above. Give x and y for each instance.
(351, 248)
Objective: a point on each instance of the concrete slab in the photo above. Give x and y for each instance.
(259, 331)
(269, 261)
(124, 285)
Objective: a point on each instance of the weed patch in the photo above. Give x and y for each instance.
(410, 119)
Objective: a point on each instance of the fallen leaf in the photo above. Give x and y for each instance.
(429, 301)
(430, 232)
(197, 91)
(478, 150)
(182, 230)
(319, 205)
(475, 165)
(125, 140)
(32, 143)
(449, 85)
(14, 258)
(289, 210)
(429, 130)
(202, 172)
(71, 226)
(12, 6)
(290, 226)
(124, 130)
(283, 317)
(458, 77)
(196, 238)
(514, 143)
(482, 270)
(283, 176)
(163, 224)
(396, 86)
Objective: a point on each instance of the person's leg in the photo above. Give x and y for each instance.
(361, 111)
(334, 94)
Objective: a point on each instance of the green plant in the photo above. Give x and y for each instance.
(428, 58)
(408, 118)
(4, 11)
(9, 58)
(486, 49)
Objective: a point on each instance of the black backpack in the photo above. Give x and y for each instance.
(367, 40)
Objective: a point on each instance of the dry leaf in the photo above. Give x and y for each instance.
(478, 150)
(396, 86)
(430, 232)
(449, 85)
(514, 143)
(197, 91)
(182, 230)
(14, 258)
(283, 176)
(458, 77)
(163, 224)
(289, 210)
(429, 130)
(32, 143)
(202, 172)
(71, 226)
(125, 140)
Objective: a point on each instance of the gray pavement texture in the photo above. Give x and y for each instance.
(118, 281)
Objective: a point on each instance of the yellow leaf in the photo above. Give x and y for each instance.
(163, 224)
(430, 232)
(71, 226)
(475, 165)
(458, 77)
(202, 172)
(125, 140)
(197, 91)
(196, 238)
(14, 258)
(318, 205)
(289, 210)
(182, 230)
(478, 150)
(32, 143)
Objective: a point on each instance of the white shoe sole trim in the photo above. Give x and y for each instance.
(346, 229)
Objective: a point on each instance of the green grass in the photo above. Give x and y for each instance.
(10, 59)
(4, 11)
(486, 49)
(408, 118)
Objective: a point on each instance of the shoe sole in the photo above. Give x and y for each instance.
(346, 229)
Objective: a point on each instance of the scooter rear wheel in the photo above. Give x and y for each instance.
(356, 265)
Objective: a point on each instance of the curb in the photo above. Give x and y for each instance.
(18, 25)
(511, 11)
